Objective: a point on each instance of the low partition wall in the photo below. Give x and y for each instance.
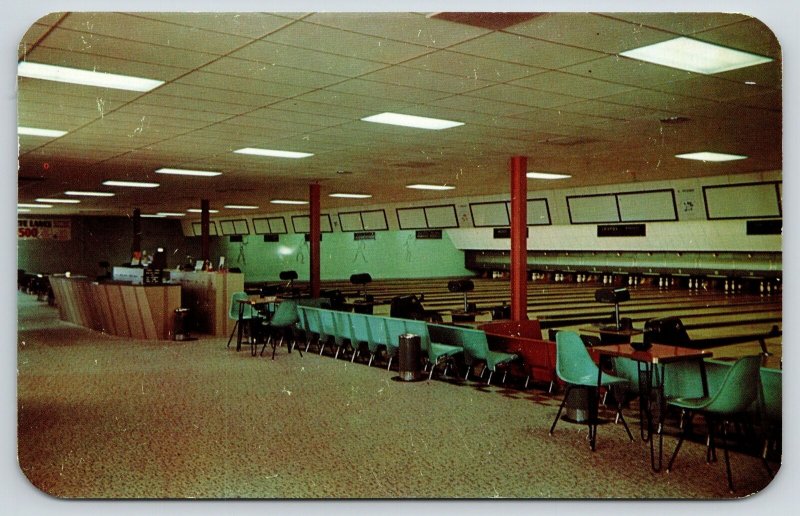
(207, 295)
(524, 338)
(123, 309)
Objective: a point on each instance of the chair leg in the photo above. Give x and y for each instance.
(503, 381)
(527, 379)
(235, 327)
(489, 381)
(371, 358)
(680, 441)
(389, 366)
(727, 458)
(560, 408)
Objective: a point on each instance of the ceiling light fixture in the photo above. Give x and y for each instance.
(152, 216)
(187, 172)
(273, 153)
(132, 184)
(431, 187)
(287, 201)
(710, 156)
(240, 207)
(198, 210)
(34, 131)
(58, 201)
(89, 194)
(419, 122)
(350, 195)
(170, 214)
(546, 175)
(85, 77)
(23, 210)
(30, 205)
(695, 56)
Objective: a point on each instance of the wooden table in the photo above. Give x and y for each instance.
(611, 335)
(651, 368)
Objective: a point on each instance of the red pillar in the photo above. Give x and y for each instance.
(519, 235)
(314, 234)
(205, 226)
(136, 246)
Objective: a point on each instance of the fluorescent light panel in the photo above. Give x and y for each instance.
(419, 122)
(240, 207)
(152, 216)
(198, 210)
(85, 77)
(170, 214)
(546, 175)
(58, 201)
(431, 187)
(132, 184)
(273, 153)
(350, 195)
(89, 194)
(695, 56)
(287, 201)
(710, 156)
(23, 210)
(187, 172)
(30, 205)
(34, 131)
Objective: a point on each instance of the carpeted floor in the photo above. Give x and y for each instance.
(106, 417)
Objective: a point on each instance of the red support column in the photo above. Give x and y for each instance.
(205, 225)
(136, 246)
(519, 235)
(314, 234)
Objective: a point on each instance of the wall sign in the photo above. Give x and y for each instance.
(44, 229)
(364, 235)
(429, 234)
(621, 230)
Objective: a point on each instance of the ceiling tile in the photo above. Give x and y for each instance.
(524, 96)
(568, 84)
(589, 31)
(200, 93)
(366, 105)
(623, 70)
(609, 110)
(471, 67)
(711, 88)
(135, 28)
(480, 105)
(408, 27)
(303, 79)
(252, 25)
(359, 46)
(386, 91)
(685, 24)
(526, 51)
(242, 84)
(103, 64)
(749, 35)
(426, 80)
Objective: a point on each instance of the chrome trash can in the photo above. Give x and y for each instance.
(409, 352)
(180, 328)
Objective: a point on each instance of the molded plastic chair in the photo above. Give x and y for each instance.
(285, 317)
(242, 312)
(362, 333)
(394, 328)
(476, 349)
(576, 368)
(327, 330)
(344, 332)
(740, 389)
(436, 352)
(379, 333)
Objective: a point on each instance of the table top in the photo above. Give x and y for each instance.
(612, 330)
(257, 300)
(657, 354)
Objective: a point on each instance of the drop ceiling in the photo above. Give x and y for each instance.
(549, 86)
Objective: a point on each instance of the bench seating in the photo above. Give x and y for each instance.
(524, 338)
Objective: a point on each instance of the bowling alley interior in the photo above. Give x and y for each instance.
(399, 255)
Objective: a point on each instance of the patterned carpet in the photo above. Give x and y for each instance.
(106, 417)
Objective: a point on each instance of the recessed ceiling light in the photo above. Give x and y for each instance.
(132, 184)
(30, 205)
(695, 56)
(89, 194)
(431, 187)
(170, 214)
(419, 122)
(23, 210)
(240, 207)
(350, 195)
(710, 156)
(152, 216)
(85, 77)
(287, 201)
(273, 153)
(198, 210)
(58, 201)
(187, 172)
(546, 175)
(33, 131)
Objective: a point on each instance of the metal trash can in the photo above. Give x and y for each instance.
(180, 328)
(577, 405)
(409, 351)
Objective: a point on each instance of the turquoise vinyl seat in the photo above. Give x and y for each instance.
(436, 352)
(244, 314)
(380, 335)
(344, 333)
(575, 367)
(394, 328)
(328, 333)
(362, 335)
(284, 319)
(740, 389)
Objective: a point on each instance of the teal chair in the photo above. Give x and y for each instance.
(309, 323)
(740, 389)
(575, 367)
(344, 333)
(437, 353)
(380, 335)
(476, 348)
(245, 316)
(283, 320)
(362, 334)
(394, 328)
(328, 333)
